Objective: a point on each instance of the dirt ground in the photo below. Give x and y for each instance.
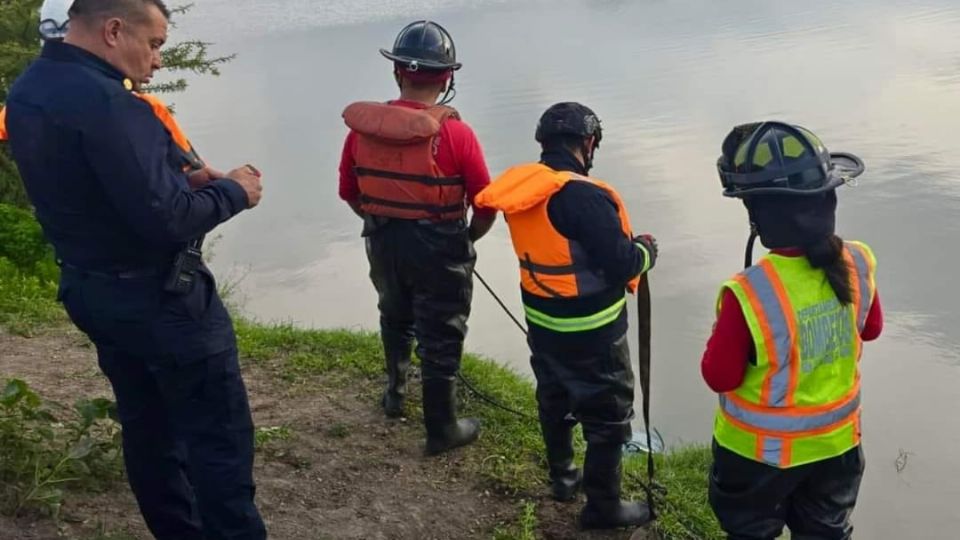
(345, 472)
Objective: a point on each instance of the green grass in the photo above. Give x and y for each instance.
(509, 454)
(27, 303)
(525, 527)
(112, 535)
(28, 274)
(264, 435)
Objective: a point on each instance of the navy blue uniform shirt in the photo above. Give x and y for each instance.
(101, 170)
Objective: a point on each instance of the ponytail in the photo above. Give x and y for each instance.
(827, 253)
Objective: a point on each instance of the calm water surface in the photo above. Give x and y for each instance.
(668, 78)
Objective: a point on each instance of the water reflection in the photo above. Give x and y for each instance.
(877, 78)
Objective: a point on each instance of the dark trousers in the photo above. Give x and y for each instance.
(423, 274)
(187, 429)
(754, 501)
(592, 384)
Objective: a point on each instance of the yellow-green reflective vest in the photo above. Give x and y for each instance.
(800, 402)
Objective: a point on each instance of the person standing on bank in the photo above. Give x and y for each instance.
(578, 256)
(122, 228)
(785, 351)
(411, 168)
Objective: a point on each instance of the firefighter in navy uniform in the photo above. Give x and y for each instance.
(578, 257)
(105, 170)
(411, 168)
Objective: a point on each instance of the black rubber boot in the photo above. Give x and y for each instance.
(565, 479)
(601, 483)
(444, 431)
(398, 363)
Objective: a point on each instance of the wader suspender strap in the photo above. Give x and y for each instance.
(643, 353)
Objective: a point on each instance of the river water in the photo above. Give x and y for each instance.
(878, 78)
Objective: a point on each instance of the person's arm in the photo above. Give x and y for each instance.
(349, 189)
(729, 348)
(481, 224)
(476, 176)
(873, 327)
(127, 148)
(585, 213)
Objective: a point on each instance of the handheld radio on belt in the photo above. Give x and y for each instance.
(183, 273)
(184, 270)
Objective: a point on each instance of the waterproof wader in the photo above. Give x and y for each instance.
(187, 430)
(592, 384)
(753, 501)
(423, 273)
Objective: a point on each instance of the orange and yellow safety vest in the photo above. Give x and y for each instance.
(799, 402)
(552, 265)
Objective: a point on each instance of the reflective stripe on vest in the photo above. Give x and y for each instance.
(576, 324)
(397, 174)
(864, 267)
(800, 402)
(773, 421)
(764, 290)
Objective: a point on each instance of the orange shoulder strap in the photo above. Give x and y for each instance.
(162, 113)
(3, 123)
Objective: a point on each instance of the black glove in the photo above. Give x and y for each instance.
(650, 243)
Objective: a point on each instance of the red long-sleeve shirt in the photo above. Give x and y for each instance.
(730, 347)
(458, 153)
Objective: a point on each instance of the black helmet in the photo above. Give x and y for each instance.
(778, 158)
(424, 44)
(572, 119)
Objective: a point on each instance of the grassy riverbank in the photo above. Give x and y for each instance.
(315, 400)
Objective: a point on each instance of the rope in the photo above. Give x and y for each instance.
(499, 301)
(473, 389)
(494, 402)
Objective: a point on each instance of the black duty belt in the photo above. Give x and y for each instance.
(384, 220)
(134, 273)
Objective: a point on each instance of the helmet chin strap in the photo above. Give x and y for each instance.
(754, 233)
(748, 256)
(587, 156)
(451, 92)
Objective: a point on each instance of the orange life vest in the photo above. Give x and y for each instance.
(190, 159)
(3, 123)
(551, 265)
(395, 166)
